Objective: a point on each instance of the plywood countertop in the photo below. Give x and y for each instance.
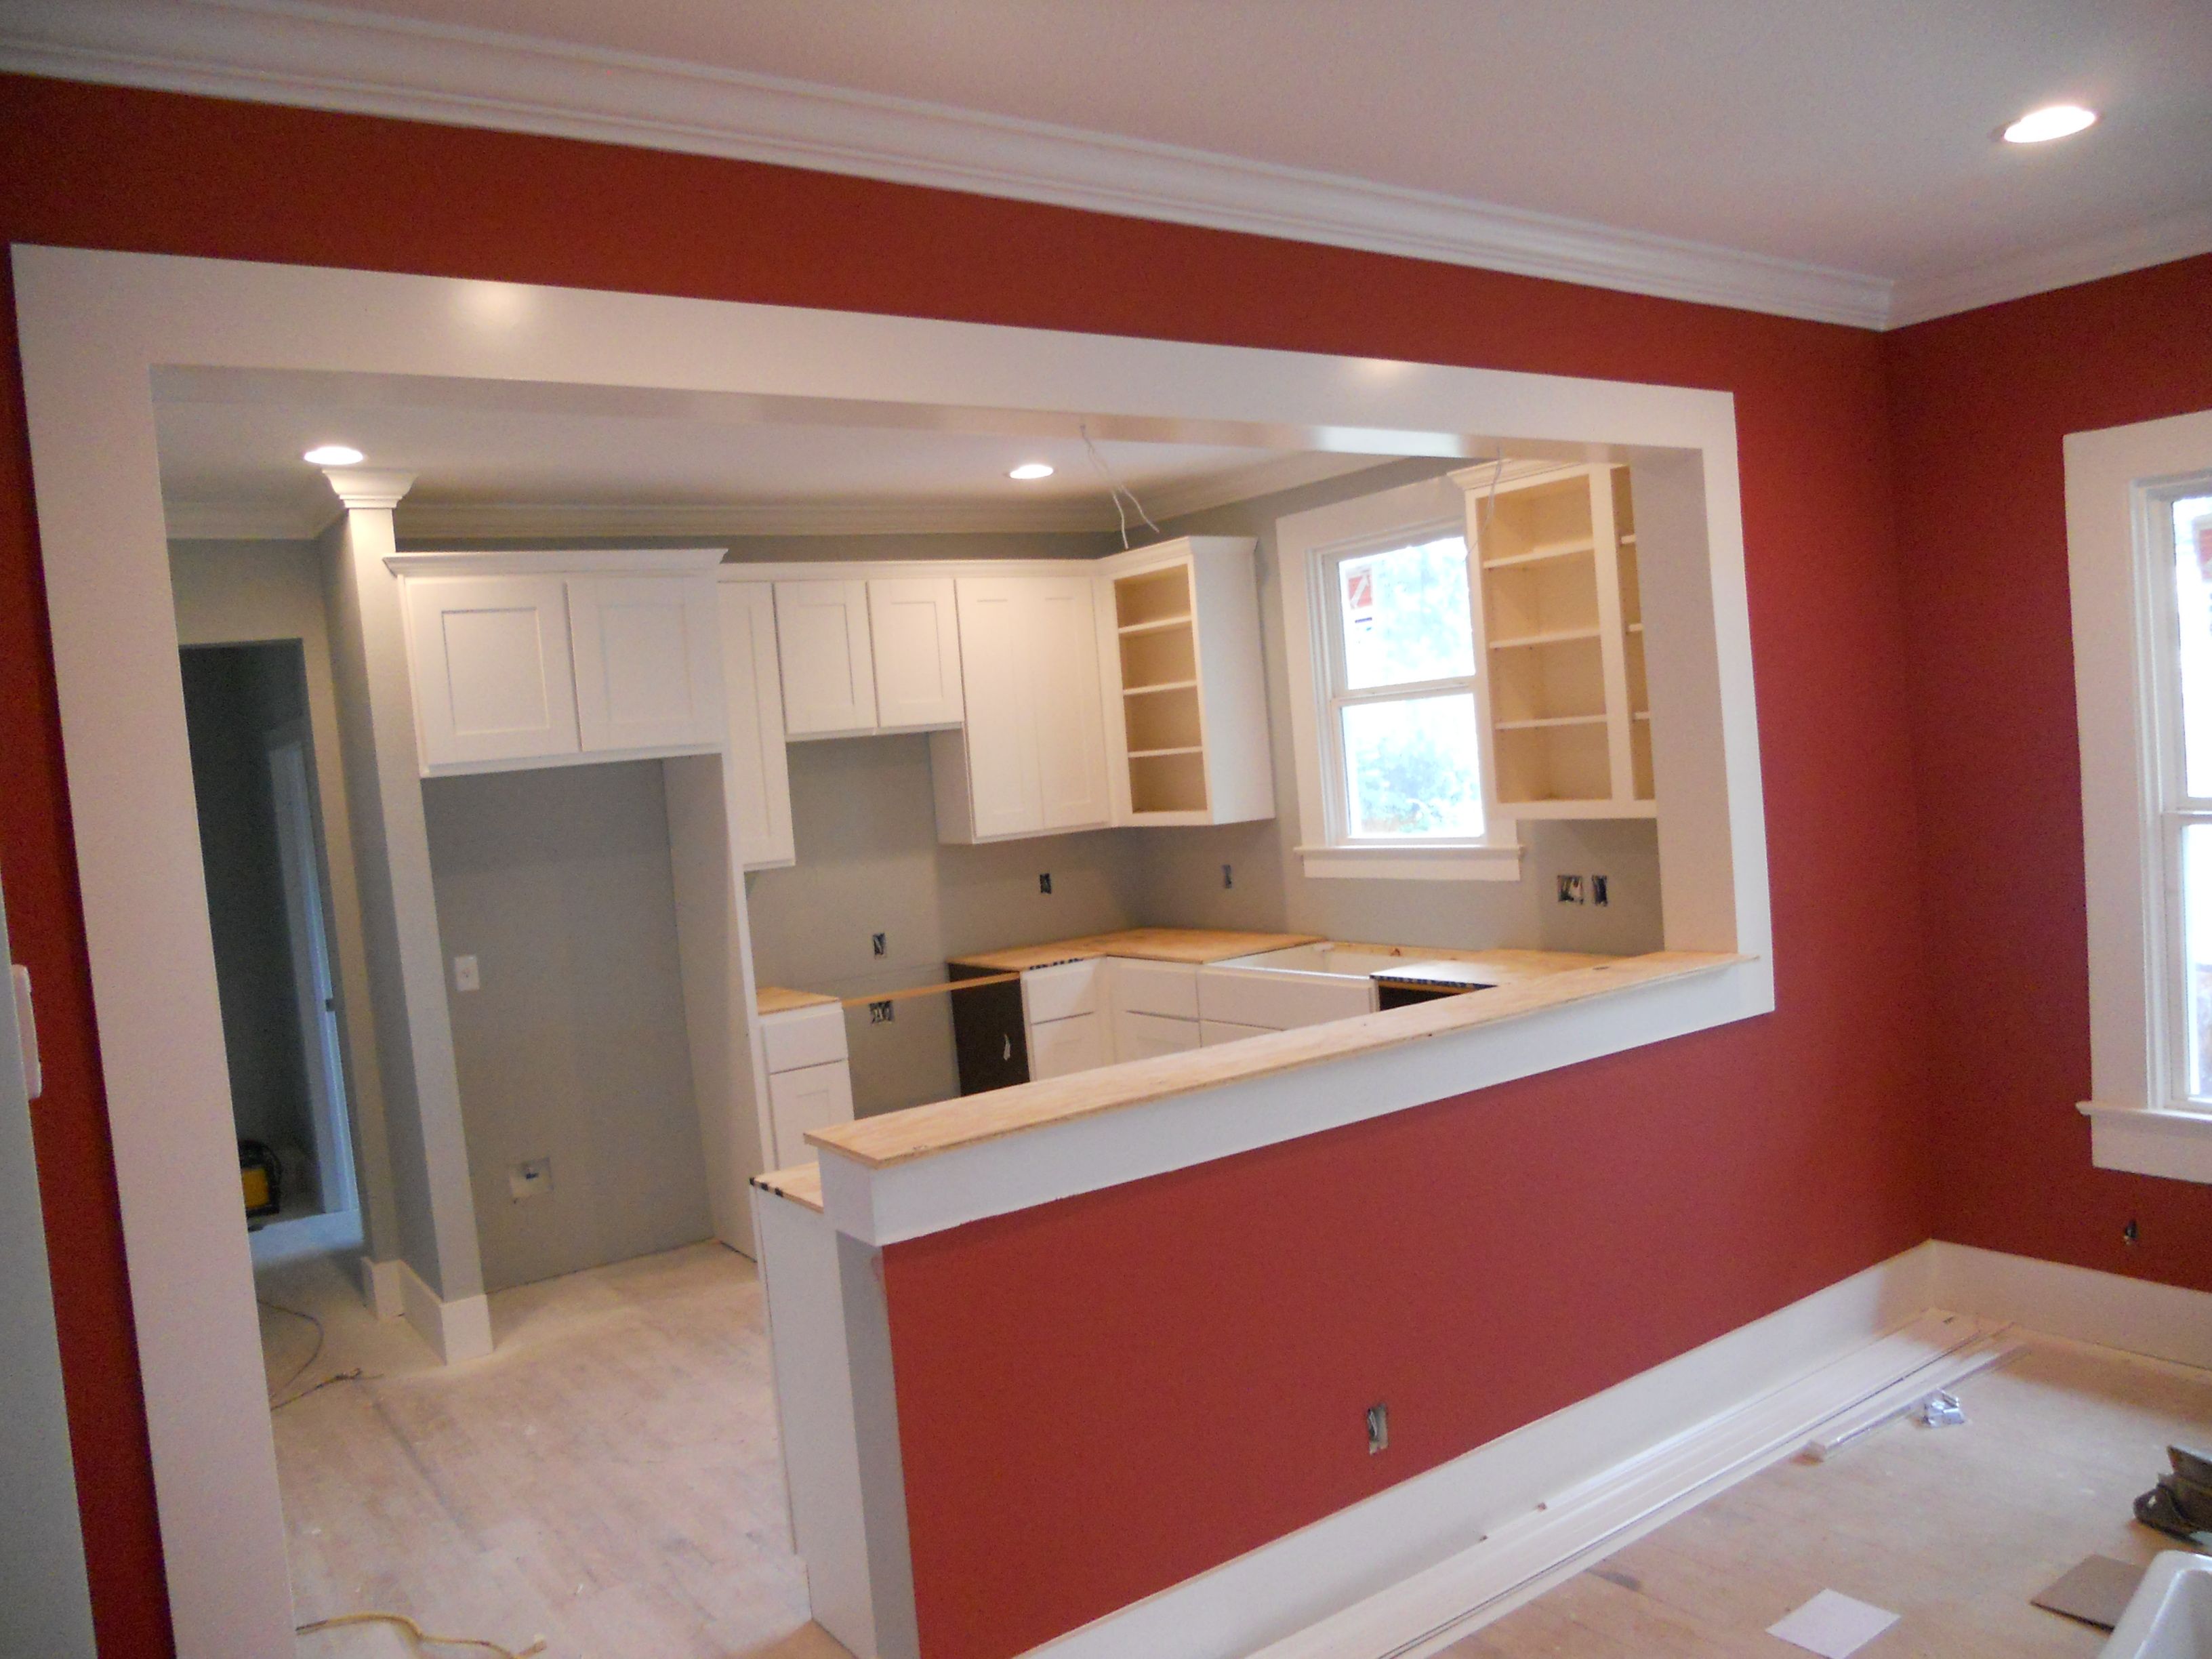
(801, 1184)
(1467, 970)
(1195, 945)
(925, 1131)
(775, 1000)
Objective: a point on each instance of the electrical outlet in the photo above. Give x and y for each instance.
(1228, 875)
(1378, 1428)
(465, 977)
(876, 944)
(529, 1178)
(1044, 882)
(1598, 890)
(1570, 889)
(881, 1013)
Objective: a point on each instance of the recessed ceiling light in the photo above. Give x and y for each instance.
(1029, 470)
(2054, 121)
(333, 455)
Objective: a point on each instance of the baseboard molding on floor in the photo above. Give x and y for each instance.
(1418, 1566)
(2135, 1315)
(380, 1288)
(457, 1331)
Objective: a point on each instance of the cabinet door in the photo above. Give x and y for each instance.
(1062, 1046)
(1140, 1036)
(756, 778)
(1062, 640)
(814, 1098)
(492, 673)
(829, 672)
(648, 662)
(916, 642)
(1002, 720)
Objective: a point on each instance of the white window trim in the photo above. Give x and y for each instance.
(1306, 545)
(2116, 481)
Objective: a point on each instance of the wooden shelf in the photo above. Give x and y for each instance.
(1154, 754)
(1552, 720)
(1538, 555)
(1558, 637)
(1155, 625)
(1165, 685)
(1635, 628)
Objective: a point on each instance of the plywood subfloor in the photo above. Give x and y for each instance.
(1954, 1529)
(610, 1478)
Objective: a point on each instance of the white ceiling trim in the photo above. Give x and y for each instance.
(245, 521)
(280, 51)
(1917, 299)
(500, 520)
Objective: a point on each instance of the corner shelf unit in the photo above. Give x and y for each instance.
(1186, 714)
(1564, 688)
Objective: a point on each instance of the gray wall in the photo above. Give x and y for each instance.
(865, 824)
(557, 880)
(234, 696)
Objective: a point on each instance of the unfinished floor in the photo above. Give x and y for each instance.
(609, 1479)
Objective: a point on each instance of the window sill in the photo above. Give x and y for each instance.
(2171, 1142)
(1463, 862)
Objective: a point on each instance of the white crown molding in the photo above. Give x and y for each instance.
(1917, 299)
(247, 522)
(282, 51)
(564, 520)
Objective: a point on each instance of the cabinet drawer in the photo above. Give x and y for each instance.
(1056, 993)
(803, 1037)
(1213, 1033)
(1250, 996)
(812, 1097)
(1154, 988)
(1062, 1046)
(1140, 1036)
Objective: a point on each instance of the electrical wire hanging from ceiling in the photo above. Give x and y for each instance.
(1119, 491)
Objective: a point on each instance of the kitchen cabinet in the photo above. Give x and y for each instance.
(990, 1037)
(1186, 705)
(1213, 1033)
(1058, 1047)
(647, 661)
(757, 774)
(1565, 696)
(810, 1083)
(489, 658)
(1153, 1008)
(1031, 758)
(826, 664)
(1140, 1036)
(522, 658)
(913, 632)
(1061, 1006)
(1279, 1001)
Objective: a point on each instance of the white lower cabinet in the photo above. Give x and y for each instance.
(1140, 1036)
(1213, 1033)
(1281, 1001)
(810, 1083)
(1058, 1047)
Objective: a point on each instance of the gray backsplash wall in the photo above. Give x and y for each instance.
(558, 882)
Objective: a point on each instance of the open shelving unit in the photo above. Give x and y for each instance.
(1567, 702)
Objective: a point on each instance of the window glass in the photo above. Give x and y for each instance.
(2192, 573)
(1412, 767)
(1405, 616)
(2196, 954)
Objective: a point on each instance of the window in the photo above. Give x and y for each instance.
(2139, 570)
(2181, 547)
(1386, 712)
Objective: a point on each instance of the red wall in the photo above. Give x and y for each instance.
(1980, 403)
(1104, 1396)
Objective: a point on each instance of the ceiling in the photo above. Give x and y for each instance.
(231, 449)
(1841, 156)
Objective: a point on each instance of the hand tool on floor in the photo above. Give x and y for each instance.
(2180, 1505)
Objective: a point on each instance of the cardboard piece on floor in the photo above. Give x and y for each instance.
(1834, 1626)
(2096, 1592)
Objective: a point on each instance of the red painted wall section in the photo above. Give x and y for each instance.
(1103, 1397)
(1981, 403)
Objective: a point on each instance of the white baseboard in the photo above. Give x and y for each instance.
(379, 1288)
(457, 1330)
(2163, 1321)
(1504, 1520)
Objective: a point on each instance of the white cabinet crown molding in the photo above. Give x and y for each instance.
(637, 562)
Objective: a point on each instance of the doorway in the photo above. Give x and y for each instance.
(261, 855)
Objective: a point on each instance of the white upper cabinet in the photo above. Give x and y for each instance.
(829, 670)
(648, 673)
(494, 680)
(915, 638)
(1032, 759)
(757, 779)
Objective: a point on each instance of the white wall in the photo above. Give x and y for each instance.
(230, 593)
